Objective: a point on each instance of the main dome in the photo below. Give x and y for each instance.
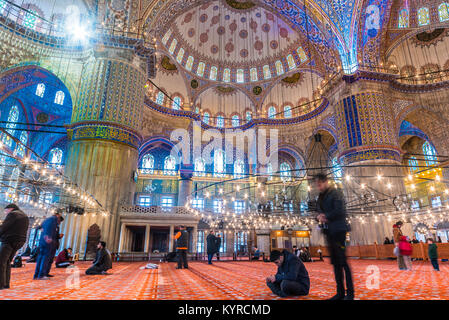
(234, 41)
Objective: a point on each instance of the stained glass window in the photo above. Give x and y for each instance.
(173, 45)
(226, 75)
(443, 12)
(198, 203)
(2, 5)
(291, 62)
(180, 55)
(271, 112)
(220, 121)
(266, 72)
(213, 73)
(170, 166)
(13, 117)
(336, 169)
(30, 19)
(59, 97)
(403, 18)
(301, 54)
(248, 116)
(423, 16)
(147, 164)
(235, 120)
(279, 67)
(413, 164)
(55, 157)
(40, 90)
(287, 111)
(239, 207)
(219, 163)
(239, 169)
(13, 181)
(285, 172)
(200, 69)
(166, 37)
(20, 149)
(189, 63)
(253, 74)
(206, 117)
(160, 98)
(240, 76)
(176, 105)
(430, 154)
(200, 167)
(144, 201)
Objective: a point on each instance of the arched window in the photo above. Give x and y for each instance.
(213, 73)
(248, 116)
(443, 12)
(173, 45)
(219, 163)
(430, 154)
(160, 98)
(226, 75)
(13, 117)
(40, 90)
(220, 121)
(235, 120)
(270, 171)
(20, 149)
(2, 5)
(55, 157)
(285, 172)
(59, 97)
(239, 169)
(147, 164)
(423, 16)
(287, 111)
(279, 67)
(266, 72)
(176, 105)
(170, 166)
(403, 19)
(302, 54)
(413, 164)
(206, 117)
(189, 63)
(30, 19)
(200, 167)
(253, 74)
(272, 112)
(240, 76)
(291, 62)
(200, 69)
(180, 55)
(336, 169)
(13, 181)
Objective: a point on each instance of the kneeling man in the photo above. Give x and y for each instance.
(292, 278)
(102, 262)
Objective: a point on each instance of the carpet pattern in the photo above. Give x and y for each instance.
(224, 281)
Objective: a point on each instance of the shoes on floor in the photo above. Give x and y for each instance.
(42, 278)
(50, 275)
(337, 297)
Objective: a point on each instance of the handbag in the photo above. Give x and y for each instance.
(396, 251)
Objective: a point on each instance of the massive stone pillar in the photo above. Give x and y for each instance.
(104, 133)
(369, 153)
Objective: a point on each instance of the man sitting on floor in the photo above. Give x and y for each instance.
(292, 278)
(102, 262)
(64, 258)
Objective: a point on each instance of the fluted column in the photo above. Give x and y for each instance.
(104, 133)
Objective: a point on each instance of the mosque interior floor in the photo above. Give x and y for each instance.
(225, 280)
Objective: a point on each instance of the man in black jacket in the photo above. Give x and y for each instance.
(13, 233)
(211, 246)
(332, 218)
(102, 262)
(182, 245)
(218, 245)
(292, 278)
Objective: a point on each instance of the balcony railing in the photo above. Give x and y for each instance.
(154, 211)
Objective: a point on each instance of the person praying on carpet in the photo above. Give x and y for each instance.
(64, 258)
(433, 254)
(13, 234)
(182, 238)
(331, 207)
(211, 246)
(256, 254)
(291, 279)
(102, 262)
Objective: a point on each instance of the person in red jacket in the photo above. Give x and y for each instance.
(406, 250)
(64, 258)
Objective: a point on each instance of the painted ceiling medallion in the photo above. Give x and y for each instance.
(167, 65)
(429, 36)
(293, 79)
(225, 90)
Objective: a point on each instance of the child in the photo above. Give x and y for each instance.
(406, 249)
(433, 254)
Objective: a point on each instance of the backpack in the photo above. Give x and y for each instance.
(17, 262)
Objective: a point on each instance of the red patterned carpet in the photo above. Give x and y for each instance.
(224, 280)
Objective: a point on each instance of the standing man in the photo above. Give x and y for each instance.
(211, 246)
(397, 234)
(182, 238)
(332, 217)
(13, 234)
(55, 244)
(218, 245)
(46, 243)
